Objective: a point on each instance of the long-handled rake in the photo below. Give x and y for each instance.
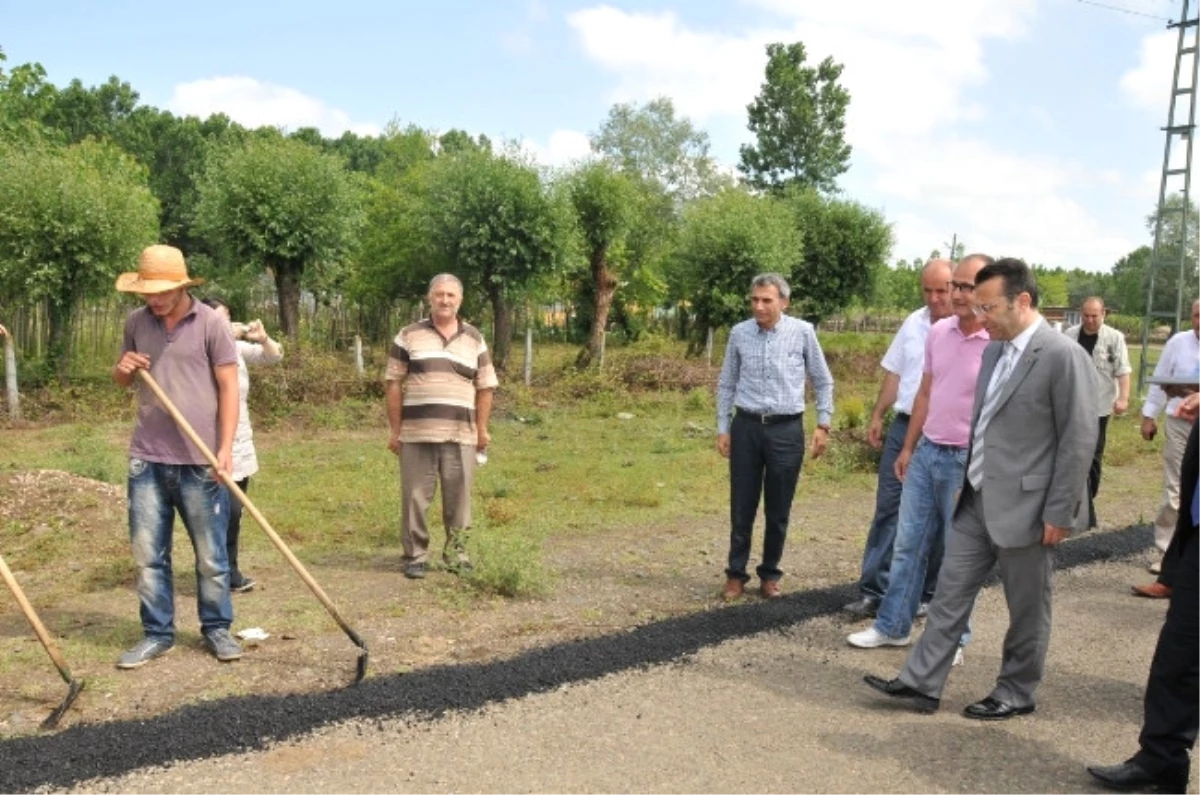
(241, 497)
(73, 685)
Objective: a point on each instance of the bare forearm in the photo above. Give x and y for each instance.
(1123, 387)
(483, 407)
(395, 400)
(888, 391)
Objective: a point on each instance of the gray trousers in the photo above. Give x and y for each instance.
(422, 465)
(1026, 575)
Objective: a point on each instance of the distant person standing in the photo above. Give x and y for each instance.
(189, 351)
(440, 382)
(1110, 357)
(254, 347)
(760, 425)
(902, 365)
(1180, 358)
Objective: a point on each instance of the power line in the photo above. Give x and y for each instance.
(1124, 10)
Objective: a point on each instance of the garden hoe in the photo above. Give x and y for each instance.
(241, 497)
(73, 685)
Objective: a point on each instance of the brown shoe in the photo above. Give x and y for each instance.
(770, 589)
(1155, 590)
(734, 588)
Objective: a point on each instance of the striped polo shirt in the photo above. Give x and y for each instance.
(440, 379)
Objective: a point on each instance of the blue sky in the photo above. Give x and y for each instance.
(1028, 127)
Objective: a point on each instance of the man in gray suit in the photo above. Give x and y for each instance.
(1033, 432)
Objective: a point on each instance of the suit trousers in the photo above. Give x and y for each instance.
(1025, 573)
(764, 461)
(1172, 703)
(422, 465)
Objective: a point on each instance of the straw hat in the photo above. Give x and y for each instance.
(160, 268)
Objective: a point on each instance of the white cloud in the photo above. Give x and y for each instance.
(1148, 85)
(911, 69)
(254, 103)
(563, 148)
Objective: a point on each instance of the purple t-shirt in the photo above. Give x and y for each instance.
(182, 363)
(952, 359)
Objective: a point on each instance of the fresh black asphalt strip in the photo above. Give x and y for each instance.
(247, 723)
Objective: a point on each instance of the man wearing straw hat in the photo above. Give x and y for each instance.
(190, 351)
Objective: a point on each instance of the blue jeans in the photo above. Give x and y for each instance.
(877, 555)
(156, 491)
(935, 474)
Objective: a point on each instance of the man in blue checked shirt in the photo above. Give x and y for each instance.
(760, 425)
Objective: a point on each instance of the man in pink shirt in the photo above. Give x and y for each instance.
(933, 459)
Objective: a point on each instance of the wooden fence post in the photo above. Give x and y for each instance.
(10, 379)
(528, 355)
(708, 346)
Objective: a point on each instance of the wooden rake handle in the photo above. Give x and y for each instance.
(241, 497)
(38, 628)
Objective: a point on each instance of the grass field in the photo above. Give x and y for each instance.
(603, 505)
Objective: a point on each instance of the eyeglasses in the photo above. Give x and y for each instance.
(985, 309)
(965, 287)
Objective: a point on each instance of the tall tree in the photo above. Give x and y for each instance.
(1178, 244)
(799, 123)
(649, 141)
(497, 225)
(1127, 294)
(71, 219)
(845, 245)
(284, 206)
(728, 239)
(605, 201)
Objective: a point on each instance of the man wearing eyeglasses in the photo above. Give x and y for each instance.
(931, 462)
(902, 366)
(1110, 359)
(1033, 432)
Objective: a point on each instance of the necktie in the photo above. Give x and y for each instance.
(1004, 368)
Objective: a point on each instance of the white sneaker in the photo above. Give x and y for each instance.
(871, 638)
(958, 657)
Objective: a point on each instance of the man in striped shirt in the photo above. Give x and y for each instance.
(760, 425)
(440, 382)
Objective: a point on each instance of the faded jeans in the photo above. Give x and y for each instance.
(931, 484)
(156, 491)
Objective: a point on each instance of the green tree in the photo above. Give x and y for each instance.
(899, 287)
(799, 123)
(727, 239)
(649, 141)
(1128, 292)
(1052, 286)
(26, 99)
(1177, 245)
(845, 246)
(71, 219)
(605, 201)
(284, 206)
(498, 227)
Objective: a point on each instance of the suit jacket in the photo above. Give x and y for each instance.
(1039, 442)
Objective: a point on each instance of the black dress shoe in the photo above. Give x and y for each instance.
(994, 709)
(866, 607)
(897, 689)
(1130, 776)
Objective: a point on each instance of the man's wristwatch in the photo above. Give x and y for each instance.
(823, 428)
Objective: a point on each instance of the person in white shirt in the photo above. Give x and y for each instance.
(903, 365)
(1180, 358)
(1110, 357)
(254, 346)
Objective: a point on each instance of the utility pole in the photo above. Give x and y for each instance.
(1181, 126)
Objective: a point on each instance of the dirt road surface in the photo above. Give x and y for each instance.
(760, 697)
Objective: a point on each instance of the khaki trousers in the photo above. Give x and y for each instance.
(1174, 442)
(422, 465)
